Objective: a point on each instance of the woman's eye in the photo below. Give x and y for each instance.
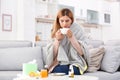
(61, 21)
(67, 20)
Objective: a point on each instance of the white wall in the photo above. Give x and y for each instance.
(26, 20)
(82, 4)
(112, 32)
(20, 20)
(23, 19)
(29, 20)
(9, 7)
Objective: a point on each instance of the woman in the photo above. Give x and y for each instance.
(66, 49)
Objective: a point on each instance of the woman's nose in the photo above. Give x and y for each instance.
(64, 23)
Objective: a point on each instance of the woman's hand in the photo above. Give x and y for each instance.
(69, 33)
(59, 36)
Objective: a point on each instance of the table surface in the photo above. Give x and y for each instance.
(65, 77)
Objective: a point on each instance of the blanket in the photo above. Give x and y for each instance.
(67, 53)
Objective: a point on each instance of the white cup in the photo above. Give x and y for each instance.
(64, 30)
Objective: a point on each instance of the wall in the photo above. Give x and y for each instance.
(20, 20)
(26, 20)
(29, 20)
(23, 19)
(112, 32)
(82, 4)
(9, 7)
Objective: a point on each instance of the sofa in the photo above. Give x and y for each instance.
(103, 74)
(107, 69)
(14, 53)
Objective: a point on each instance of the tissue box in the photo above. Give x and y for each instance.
(29, 67)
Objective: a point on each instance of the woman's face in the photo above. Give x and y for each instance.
(65, 22)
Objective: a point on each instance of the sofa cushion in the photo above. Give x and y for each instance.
(95, 43)
(95, 58)
(14, 43)
(13, 58)
(113, 43)
(9, 75)
(105, 75)
(111, 59)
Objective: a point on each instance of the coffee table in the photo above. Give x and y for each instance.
(66, 77)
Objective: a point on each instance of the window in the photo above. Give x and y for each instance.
(107, 18)
(92, 16)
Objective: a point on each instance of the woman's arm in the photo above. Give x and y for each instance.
(74, 42)
(55, 51)
(76, 45)
(55, 47)
(58, 37)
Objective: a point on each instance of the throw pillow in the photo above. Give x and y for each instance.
(111, 59)
(113, 43)
(95, 58)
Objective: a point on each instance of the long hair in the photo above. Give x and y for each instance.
(56, 25)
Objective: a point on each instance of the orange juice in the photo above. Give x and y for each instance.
(44, 73)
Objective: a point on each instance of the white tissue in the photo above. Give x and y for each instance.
(64, 30)
(33, 61)
(46, 66)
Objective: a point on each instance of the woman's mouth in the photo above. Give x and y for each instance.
(66, 27)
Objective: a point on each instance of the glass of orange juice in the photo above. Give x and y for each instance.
(44, 73)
